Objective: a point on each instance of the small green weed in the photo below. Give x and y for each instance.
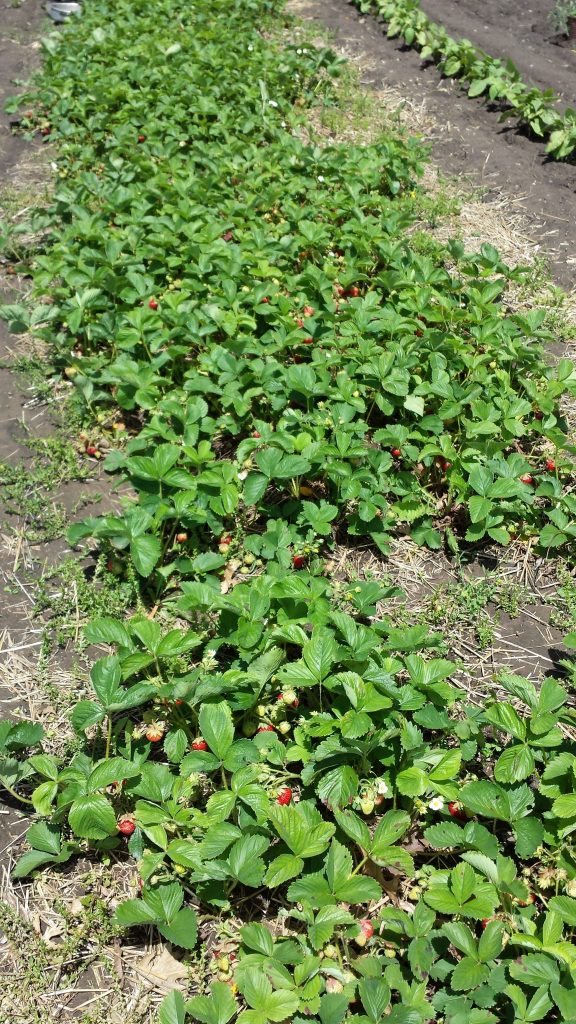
(70, 596)
(30, 491)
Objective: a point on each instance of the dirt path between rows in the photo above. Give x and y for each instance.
(25, 685)
(509, 30)
(466, 137)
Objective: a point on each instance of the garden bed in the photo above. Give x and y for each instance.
(299, 743)
(468, 141)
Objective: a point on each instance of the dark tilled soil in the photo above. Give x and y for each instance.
(509, 30)
(19, 28)
(21, 174)
(469, 141)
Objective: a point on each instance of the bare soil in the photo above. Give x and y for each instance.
(467, 138)
(509, 30)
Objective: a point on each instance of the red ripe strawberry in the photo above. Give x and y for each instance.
(340, 291)
(126, 826)
(300, 323)
(266, 728)
(308, 341)
(178, 701)
(153, 304)
(299, 561)
(284, 797)
(256, 433)
(141, 138)
(396, 452)
(550, 465)
(308, 311)
(199, 744)
(91, 450)
(227, 236)
(265, 300)
(538, 414)
(486, 921)
(526, 478)
(367, 928)
(354, 292)
(181, 538)
(297, 359)
(456, 810)
(226, 540)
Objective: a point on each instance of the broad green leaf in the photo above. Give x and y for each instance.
(217, 727)
(319, 653)
(468, 974)
(337, 786)
(515, 764)
(258, 938)
(134, 912)
(106, 675)
(462, 938)
(109, 770)
(182, 929)
(245, 860)
(392, 825)
(44, 836)
(282, 869)
(491, 941)
(565, 906)
(375, 996)
(145, 552)
(354, 827)
(301, 838)
(30, 861)
(92, 817)
(172, 1009)
(565, 806)
(529, 834)
(217, 1008)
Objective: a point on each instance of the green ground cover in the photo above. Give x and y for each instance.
(283, 365)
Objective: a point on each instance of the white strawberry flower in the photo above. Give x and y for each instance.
(436, 804)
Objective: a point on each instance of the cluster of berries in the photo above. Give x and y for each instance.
(371, 795)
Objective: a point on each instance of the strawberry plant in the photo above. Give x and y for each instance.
(290, 369)
(499, 80)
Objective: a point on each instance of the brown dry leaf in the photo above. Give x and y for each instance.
(228, 575)
(54, 931)
(160, 970)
